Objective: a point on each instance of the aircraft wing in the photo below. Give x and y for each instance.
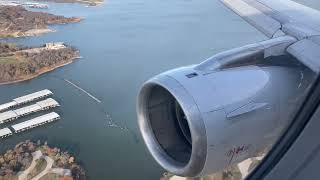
(276, 18)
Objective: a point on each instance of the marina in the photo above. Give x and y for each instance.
(26, 99)
(35, 122)
(39, 106)
(5, 132)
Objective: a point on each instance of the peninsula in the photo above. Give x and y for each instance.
(16, 21)
(19, 63)
(33, 160)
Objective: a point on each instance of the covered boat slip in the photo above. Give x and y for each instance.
(5, 132)
(25, 99)
(39, 106)
(33, 96)
(7, 105)
(9, 115)
(41, 120)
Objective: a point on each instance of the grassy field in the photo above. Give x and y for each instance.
(9, 60)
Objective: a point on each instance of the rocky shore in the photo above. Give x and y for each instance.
(88, 2)
(18, 160)
(16, 21)
(19, 63)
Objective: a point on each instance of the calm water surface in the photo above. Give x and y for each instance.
(123, 43)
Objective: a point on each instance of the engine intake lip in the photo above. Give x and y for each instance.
(196, 162)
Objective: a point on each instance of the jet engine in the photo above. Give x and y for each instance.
(200, 119)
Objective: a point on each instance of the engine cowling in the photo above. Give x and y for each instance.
(196, 123)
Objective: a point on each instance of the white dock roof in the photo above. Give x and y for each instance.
(5, 131)
(7, 105)
(35, 121)
(47, 103)
(27, 109)
(7, 115)
(33, 96)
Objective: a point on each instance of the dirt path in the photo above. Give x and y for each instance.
(36, 155)
(46, 170)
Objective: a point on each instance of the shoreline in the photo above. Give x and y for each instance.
(32, 32)
(29, 157)
(93, 4)
(13, 28)
(35, 32)
(45, 70)
(88, 3)
(29, 33)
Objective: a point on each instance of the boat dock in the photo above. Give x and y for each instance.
(38, 121)
(11, 114)
(26, 99)
(39, 106)
(5, 132)
(7, 105)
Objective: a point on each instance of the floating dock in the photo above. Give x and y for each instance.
(39, 106)
(7, 105)
(26, 99)
(5, 132)
(38, 121)
(32, 97)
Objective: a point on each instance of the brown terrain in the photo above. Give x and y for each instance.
(16, 21)
(89, 2)
(18, 159)
(18, 63)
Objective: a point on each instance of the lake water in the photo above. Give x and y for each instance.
(123, 43)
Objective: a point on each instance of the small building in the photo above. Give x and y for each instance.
(55, 45)
(5, 132)
(38, 121)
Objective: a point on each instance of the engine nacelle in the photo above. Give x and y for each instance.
(198, 122)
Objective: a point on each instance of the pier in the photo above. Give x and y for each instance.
(5, 132)
(7, 105)
(11, 114)
(32, 97)
(35, 122)
(26, 99)
(39, 106)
